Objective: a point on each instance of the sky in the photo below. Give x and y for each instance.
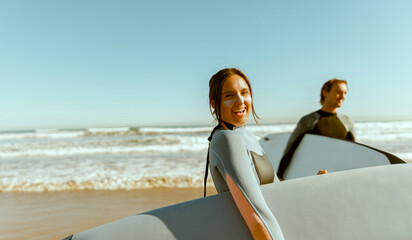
(106, 63)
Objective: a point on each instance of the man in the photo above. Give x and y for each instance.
(326, 121)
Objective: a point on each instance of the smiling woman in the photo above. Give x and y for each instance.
(236, 101)
(237, 162)
(231, 88)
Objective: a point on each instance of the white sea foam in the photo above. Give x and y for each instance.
(102, 151)
(106, 184)
(41, 135)
(110, 146)
(106, 130)
(407, 157)
(102, 174)
(176, 130)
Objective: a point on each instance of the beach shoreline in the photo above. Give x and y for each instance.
(55, 215)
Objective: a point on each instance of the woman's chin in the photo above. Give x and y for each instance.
(236, 120)
(239, 123)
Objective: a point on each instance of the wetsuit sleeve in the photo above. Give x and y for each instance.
(234, 164)
(351, 132)
(350, 127)
(302, 127)
(350, 136)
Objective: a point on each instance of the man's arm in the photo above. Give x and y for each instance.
(304, 125)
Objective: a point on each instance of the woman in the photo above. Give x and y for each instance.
(237, 162)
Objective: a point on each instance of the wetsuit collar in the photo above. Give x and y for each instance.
(222, 125)
(325, 114)
(227, 126)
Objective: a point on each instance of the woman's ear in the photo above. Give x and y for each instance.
(213, 103)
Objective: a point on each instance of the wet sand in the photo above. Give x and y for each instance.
(55, 215)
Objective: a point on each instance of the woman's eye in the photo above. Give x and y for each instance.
(229, 95)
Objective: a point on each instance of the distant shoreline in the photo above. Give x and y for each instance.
(71, 129)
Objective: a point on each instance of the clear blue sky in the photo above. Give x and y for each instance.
(133, 63)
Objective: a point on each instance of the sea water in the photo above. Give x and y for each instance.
(135, 158)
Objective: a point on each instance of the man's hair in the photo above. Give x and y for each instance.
(328, 86)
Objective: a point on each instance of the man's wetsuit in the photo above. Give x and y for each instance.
(322, 123)
(239, 165)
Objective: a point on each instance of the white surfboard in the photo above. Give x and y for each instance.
(366, 203)
(274, 145)
(317, 152)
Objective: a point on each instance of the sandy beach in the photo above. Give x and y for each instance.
(55, 215)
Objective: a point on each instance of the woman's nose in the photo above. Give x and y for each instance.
(240, 98)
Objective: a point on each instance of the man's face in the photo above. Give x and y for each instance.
(335, 97)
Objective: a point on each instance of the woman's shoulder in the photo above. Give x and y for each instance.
(227, 138)
(225, 135)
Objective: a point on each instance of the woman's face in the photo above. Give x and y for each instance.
(236, 101)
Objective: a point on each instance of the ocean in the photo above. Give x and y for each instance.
(127, 158)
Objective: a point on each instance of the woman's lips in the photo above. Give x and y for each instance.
(240, 112)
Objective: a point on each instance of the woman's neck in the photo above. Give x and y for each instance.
(227, 126)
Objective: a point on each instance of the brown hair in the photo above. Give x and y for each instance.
(328, 86)
(215, 91)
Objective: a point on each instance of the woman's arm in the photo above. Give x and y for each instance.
(229, 149)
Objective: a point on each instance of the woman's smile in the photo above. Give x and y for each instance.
(240, 112)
